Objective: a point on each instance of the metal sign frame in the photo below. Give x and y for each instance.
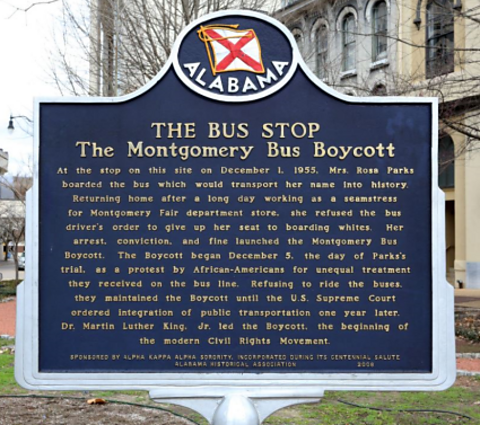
(202, 391)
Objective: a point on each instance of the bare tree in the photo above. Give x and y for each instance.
(25, 9)
(12, 215)
(442, 32)
(12, 227)
(113, 47)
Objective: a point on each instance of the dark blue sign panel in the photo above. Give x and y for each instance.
(235, 217)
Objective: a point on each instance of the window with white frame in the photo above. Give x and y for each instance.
(349, 43)
(379, 30)
(440, 38)
(321, 45)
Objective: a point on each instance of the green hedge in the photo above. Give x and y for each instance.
(8, 288)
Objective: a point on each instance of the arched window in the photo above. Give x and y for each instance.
(321, 45)
(349, 44)
(298, 35)
(446, 162)
(379, 90)
(379, 31)
(439, 54)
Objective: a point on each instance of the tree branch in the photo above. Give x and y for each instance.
(38, 3)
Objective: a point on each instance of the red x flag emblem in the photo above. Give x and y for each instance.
(230, 49)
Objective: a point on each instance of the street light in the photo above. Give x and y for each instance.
(11, 127)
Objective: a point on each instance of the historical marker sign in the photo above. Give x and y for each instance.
(235, 224)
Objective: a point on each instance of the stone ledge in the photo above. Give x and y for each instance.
(468, 356)
(467, 373)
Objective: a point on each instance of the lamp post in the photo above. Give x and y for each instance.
(18, 146)
(11, 127)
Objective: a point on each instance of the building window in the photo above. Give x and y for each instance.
(348, 43)
(439, 38)
(298, 36)
(379, 31)
(379, 90)
(321, 43)
(446, 162)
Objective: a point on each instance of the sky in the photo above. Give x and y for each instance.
(23, 74)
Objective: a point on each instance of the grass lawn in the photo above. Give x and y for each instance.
(395, 408)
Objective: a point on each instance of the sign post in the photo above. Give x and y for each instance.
(236, 236)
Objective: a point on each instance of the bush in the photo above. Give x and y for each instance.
(467, 325)
(8, 288)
